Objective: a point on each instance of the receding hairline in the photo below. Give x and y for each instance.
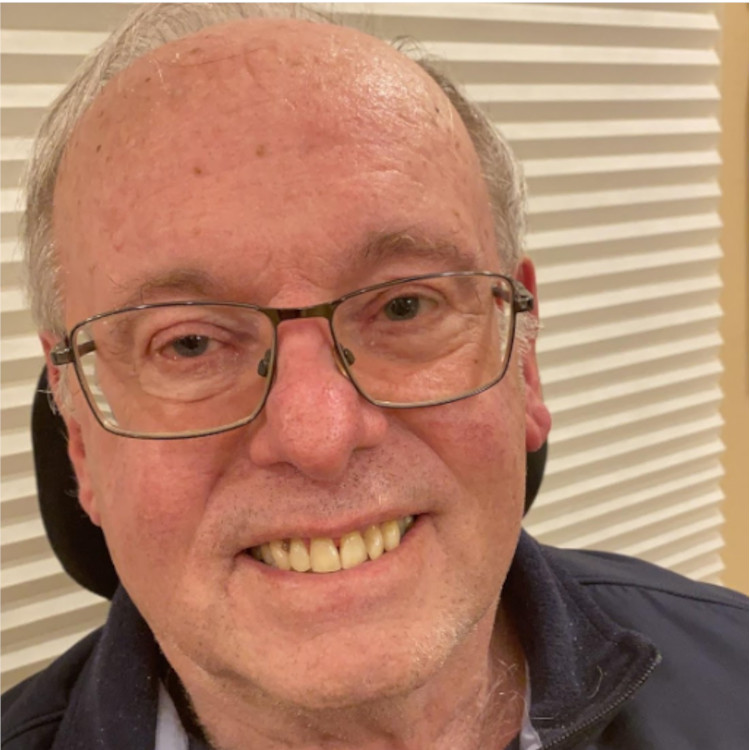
(209, 45)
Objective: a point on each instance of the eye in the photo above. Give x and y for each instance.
(190, 346)
(402, 308)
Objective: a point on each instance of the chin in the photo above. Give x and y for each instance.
(351, 680)
(364, 666)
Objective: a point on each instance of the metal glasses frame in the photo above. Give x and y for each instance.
(65, 353)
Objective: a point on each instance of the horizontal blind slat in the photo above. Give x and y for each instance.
(623, 387)
(504, 93)
(710, 396)
(539, 14)
(612, 534)
(26, 96)
(707, 344)
(571, 54)
(572, 518)
(38, 42)
(643, 293)
(618, 475)
(555, 273)
(29, 572)
(619, 163)
(51, 606)
(625, 197)
(618, 448)
(678, 534)
(39, 654)
(624, 231)
(602, 129)
(690, 552)
(17, 488)
(603, 334)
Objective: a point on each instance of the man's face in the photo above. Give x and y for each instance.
(274, 163)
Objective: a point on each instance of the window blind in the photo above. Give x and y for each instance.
(613, 110)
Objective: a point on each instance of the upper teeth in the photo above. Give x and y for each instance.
(324, 556)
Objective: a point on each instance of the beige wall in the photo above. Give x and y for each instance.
(734, 271)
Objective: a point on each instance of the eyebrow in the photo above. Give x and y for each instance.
(183, 281)
(388, 246)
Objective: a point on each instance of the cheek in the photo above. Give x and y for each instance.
(480, 443)
(150, 496)
(481, 439)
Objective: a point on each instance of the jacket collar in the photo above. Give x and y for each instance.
(583, 665)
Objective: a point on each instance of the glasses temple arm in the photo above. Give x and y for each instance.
(63, 354)
(523, 299)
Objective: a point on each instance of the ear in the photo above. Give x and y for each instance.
(66, 405)
(538, 421)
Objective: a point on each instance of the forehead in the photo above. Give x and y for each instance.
(260, 135)
(294, 69)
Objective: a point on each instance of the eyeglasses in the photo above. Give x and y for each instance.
(187, 369)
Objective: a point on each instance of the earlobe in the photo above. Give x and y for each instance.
(538, 420)
(77, 454)
(76, 446)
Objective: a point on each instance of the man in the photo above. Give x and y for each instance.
(278, 300)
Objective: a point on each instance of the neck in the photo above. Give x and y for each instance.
(475, 700)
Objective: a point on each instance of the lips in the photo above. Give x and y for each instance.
(328, 555)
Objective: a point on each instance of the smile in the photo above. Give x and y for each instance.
(325, 555)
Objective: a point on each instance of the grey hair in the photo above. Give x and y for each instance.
(152, 26)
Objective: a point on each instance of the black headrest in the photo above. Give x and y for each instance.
(78, 543)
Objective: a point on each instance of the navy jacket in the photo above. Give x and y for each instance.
(622, 656)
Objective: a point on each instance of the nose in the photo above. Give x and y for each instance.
(313, 419)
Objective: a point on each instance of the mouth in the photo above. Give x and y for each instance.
(327, 555)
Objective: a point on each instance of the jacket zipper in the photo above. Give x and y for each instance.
(634, 688)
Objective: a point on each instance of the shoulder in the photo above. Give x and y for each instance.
(694, 625)
(701, 630)
(600, 571)
(33, 709)
(657, 602)
(697, 696)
